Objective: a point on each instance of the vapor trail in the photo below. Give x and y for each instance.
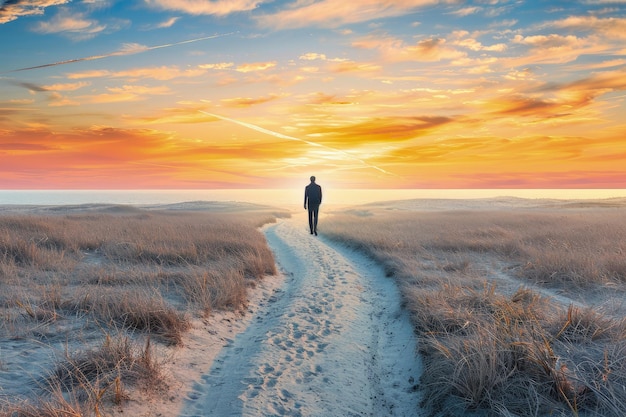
(129, 50)
(308, 142)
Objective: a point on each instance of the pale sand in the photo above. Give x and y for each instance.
(185, 365)
(333, 340)
(327, 337)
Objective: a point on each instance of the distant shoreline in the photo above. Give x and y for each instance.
(402, 204)
(285, 198)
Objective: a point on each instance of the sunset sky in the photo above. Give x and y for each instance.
(190, 94)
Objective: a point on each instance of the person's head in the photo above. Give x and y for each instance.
(312, 178)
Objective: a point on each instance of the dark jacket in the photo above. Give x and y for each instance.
(312, 194)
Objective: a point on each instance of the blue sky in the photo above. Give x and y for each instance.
(371, 94)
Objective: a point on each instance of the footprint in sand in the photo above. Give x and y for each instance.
(324, 345)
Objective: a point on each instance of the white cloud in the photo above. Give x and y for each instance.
(312, 56)
(204, 7)
(12, 10)
(218, 66)
(168, 23)
(66, 86)
(466, 11)
(72, 25)
(256, 66)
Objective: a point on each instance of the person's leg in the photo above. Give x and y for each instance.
(311, 218)
(316, 212)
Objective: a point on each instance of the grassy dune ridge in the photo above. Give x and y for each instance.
(95, 291)
(475, 283)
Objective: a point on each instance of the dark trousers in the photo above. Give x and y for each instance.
(314, 210)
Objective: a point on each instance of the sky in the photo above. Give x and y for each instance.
(191, 94)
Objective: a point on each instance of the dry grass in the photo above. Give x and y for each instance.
(133, 310)
(488, 348)
(99, 284)
(102, 372)
(580, 248)
(55, 407)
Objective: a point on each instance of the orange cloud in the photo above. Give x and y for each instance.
(214, 7)
(248, 101)
(100, 155)
(311, 56)
(466, 40)
(128, 93)
(13, 10)
(520, 105)
(525, 162)
(256, 66)
(611, 27)
(599, 65)
(217, 66)
(329, 99)
(436, 106)
(73, 25)
(66, 86)
(378, 130)
(555, 49)
(89, 74)
(351, 66)
(58, 100)
(396, 50)
(334, 13)
(598, 83)
(162, 73)
(187, 113)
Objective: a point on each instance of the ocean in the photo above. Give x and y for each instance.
(282, 197)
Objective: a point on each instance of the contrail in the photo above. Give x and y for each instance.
(129, 50)
(280, 135)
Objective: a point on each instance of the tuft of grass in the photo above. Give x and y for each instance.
(54, 407)
(118, 358)
(585, 325)
(133, 310)
(215, 289)
(83, 382)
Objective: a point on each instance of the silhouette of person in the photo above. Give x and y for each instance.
(312, 200)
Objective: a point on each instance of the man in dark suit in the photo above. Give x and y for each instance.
(312, 200)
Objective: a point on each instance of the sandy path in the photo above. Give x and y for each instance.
(332, 341)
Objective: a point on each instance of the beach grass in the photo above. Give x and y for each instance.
(518, 312)
(91, 293)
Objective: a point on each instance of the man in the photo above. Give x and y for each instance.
(313, 199)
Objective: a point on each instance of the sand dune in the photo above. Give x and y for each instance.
(327, 337)
(493, 203)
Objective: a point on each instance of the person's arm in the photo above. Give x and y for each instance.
(305, 197)
(320, 195)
